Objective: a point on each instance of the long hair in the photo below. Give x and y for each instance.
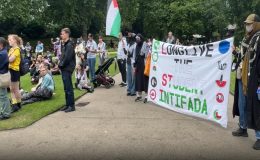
(17, 39)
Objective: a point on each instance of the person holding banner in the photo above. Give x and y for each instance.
(251, 74)
(171, 38)
(239, 106)
(147, 69)
(141, 52)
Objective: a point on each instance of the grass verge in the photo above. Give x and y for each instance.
(31, 113)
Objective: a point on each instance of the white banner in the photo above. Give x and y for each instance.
(192, 80)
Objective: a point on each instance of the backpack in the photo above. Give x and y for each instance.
(24, 65)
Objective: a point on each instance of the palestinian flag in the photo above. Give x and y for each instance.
(113, 22)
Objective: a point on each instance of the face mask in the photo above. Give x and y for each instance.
(249, 28)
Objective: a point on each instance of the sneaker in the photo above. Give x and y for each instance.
(128, 94)
(133, 94)
(15, 108)
(70, 109)
(4, 118)
(64, 108)
(123, 85)
(145, 100)
(256, 146)
(240, 133)
(90, 89)
(138, 99)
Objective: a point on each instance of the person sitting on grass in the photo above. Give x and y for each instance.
(55, 68)
(32, 67)
(35, 73)
(82, 81)
(43, 91)
(45, 60)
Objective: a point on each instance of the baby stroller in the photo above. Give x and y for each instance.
(102, 77)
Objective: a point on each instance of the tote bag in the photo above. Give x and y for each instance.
(5, 80)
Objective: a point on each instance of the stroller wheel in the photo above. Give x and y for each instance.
(107, 85)
(112, 82)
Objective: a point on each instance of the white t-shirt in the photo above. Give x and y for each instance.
(120, 51)
(102, 49)
(92, 45)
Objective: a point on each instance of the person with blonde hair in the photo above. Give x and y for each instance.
(14, 68)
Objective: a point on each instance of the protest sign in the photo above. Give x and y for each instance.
(192, 80)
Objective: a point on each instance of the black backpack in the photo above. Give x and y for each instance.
(24, 65)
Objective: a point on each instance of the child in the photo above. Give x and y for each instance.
(81, 79)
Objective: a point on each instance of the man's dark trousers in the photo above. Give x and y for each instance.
(68, 88)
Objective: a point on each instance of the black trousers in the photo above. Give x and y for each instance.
(122, 68)
(68, 88)
(36, 96)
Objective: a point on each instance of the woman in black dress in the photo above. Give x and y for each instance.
(141, 52)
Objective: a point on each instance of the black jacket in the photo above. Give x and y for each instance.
(68, 59)
(253, 104)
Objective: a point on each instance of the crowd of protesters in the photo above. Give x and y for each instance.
(133, 59)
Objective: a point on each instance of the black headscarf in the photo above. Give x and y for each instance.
(139, 44)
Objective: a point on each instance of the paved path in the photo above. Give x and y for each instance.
(114, 127)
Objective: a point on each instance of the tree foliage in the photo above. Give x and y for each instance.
(153, 18)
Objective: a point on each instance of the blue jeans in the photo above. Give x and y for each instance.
(92, 65)
(242, 106)
(68, 88)
(257, 134)
(5, 109)
(130, 80)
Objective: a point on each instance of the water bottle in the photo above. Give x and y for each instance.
(258, 93)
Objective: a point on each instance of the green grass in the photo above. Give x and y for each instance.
(34, 112)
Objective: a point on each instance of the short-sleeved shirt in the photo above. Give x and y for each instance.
(93, 46)
(15, 65)
(47, 82)
(120, 50)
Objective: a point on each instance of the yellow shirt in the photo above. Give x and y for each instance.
(15, 65)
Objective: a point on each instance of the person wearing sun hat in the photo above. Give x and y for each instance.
(251, 74)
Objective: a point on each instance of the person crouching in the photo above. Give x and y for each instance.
(82, 79)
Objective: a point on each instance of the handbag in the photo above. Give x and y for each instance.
(5, 80)
(147, 65)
